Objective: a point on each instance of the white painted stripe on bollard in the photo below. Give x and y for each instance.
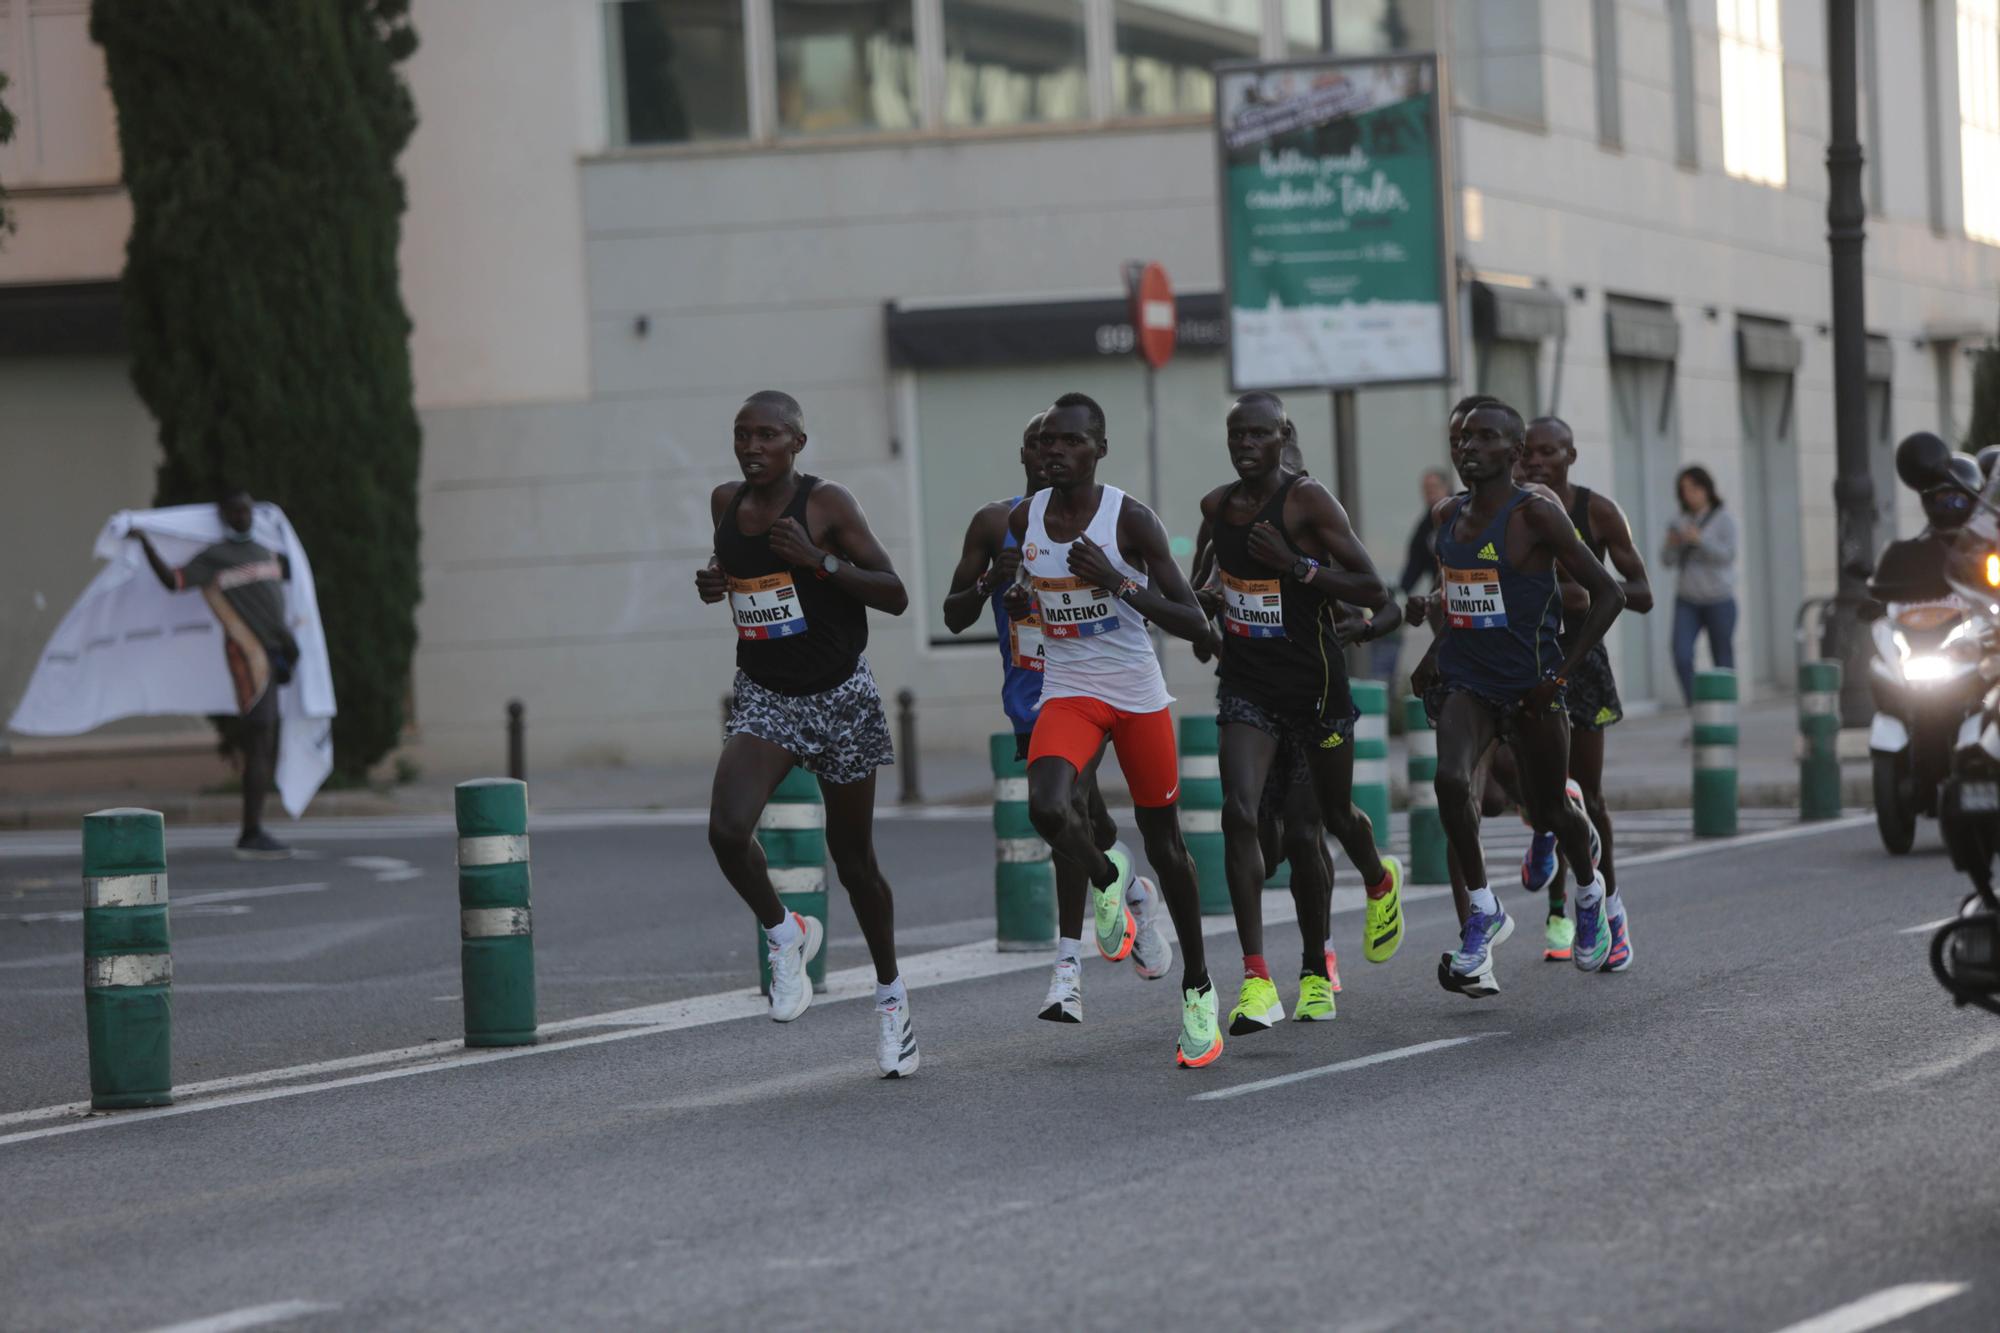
(1371, 727)
(1715, 713)
(1371, 771)
(793, 815)
(1710, 757)
(1016, 851)
(128, 969)
(1201, 821)
(1201, 766)
(797, 879)
(1819, 703)
(125, 891)
(1423, 744)
(1423, 796)
(1010, 791)
(485, 923)
(497, 850)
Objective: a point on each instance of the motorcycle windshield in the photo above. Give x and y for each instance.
(1973, 567)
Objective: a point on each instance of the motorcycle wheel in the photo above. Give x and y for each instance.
(1895, 820)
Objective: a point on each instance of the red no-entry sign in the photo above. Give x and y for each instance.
(1153, 318)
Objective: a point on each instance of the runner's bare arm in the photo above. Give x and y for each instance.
(1607, 519)
(984, 554)
(709, 581)
(1550, 527)
(1347, 575)
(1207, 594)
(1167, 600)
(864, 569)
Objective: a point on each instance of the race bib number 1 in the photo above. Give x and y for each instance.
(1253, 608)
(1026, 636)
(1073, 609)
(1472, 599)
(766, 607)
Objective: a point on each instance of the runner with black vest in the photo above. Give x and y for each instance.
(1500, 673)
(1592, 696)
(800, 568)
(988, 566)
(1286, 554)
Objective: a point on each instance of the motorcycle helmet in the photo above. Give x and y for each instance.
(1946, 507)
(1988, 458)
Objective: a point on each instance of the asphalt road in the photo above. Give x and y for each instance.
(1775, 1114)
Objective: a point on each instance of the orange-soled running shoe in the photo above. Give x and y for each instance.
(1201, 1038)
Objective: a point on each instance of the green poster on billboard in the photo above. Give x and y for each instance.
(1332, 222)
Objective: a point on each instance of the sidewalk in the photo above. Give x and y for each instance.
(1647, 767)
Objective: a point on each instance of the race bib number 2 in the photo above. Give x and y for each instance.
(766, 607)
(1252, 608)
(1472, 599)
(1073, 609)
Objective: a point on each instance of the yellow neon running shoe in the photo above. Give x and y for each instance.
(1385, 917)
(1200, 1040)
(1315, 1000)
(1257, 1007)
(1559, 939)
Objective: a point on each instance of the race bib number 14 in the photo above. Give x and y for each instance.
(1073, 609)
(766, 607)
(1472, 599)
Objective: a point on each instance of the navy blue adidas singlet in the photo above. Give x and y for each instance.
(1504, 624)
(1020, 653)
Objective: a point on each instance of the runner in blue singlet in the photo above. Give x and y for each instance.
(1498, 670)
(987, 566)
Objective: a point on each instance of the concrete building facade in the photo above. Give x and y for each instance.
(687, 202)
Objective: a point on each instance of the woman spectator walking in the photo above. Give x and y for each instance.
(1701, 549)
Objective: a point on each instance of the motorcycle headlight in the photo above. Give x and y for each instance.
(1930, 667)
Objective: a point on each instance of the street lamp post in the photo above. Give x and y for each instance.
(1853, 490)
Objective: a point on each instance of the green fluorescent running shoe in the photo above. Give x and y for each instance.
(1200, 1040)
(1257, 1008)
(1385, 917)
(1115, 926)
(1559, 940)
(1315, 1000)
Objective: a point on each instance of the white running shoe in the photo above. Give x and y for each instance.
(1152, 951)
(791, 988)
(895, 1039)
(1064, 1002)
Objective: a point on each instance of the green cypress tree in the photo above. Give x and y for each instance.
(267, 325)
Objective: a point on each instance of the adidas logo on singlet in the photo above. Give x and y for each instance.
(1487, 552)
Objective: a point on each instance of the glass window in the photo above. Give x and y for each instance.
(1753, 90)
(1604, 35)
(1497, 57)
(1979, 116)
(1014, 62)
(1362, 27)
(1166, 46)
(677, 71)
(845, 66)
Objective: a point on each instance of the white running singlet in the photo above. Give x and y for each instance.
(1094, 646)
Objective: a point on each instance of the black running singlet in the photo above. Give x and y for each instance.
(796, 632)
(1579, 518)
(1279, 647)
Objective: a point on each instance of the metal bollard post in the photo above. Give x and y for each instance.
(1819, 739)
(517, 741)
(1024, 878)
(1371, 755)
(496, 950)
(1201, 812)
(128, 964)
(1428, 864)
(1714, 754)
(792, 832)
(906, 745)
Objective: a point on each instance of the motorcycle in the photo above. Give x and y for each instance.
(1965, 951)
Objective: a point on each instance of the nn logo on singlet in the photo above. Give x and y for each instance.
(1487, 552)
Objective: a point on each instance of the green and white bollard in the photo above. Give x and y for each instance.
(1371, 755)
(496, 950)
(1428, 864)
(1024, 878)
(128, 964)
(1819, 740)
(1714, 754)
(1201, 811)
(792, 832)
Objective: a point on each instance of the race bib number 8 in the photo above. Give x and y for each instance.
(1026, 645)
(1073, 609)
(1472, 599)
(766, 607)
(1253, 608)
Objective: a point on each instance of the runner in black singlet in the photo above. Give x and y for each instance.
(799, 567)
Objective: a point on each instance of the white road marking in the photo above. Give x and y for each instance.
(250, 1316)
(386, 869)
(1885, 1306)
(1982, 1045)
(1360, 1062)
(1927, 927)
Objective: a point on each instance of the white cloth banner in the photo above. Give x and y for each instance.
(130, 648)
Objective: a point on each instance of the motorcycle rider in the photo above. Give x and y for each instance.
(1912, 570)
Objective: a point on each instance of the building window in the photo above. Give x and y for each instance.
(1014, 62)
(1166, 46)
(1979, 116)
(1753, 90)
(845, 67)
(1604, 40)
(1362, 27)
(1497, 57)
(677, 71)
(1687, 134)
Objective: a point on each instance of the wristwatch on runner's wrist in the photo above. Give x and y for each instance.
(828, 565)
(1304, 568)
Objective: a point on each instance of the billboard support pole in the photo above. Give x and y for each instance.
(1346, 449)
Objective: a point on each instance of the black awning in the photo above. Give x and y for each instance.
(62, 319)
(1027, 333)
